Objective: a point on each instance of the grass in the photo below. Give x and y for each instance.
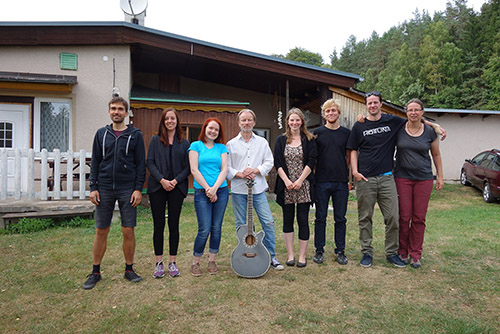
(457, 290)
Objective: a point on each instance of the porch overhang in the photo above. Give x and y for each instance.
(37, 82)
(141, 97)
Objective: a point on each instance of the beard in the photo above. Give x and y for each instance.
(246, 130)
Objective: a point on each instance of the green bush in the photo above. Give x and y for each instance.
(77, 222)
(30, 225)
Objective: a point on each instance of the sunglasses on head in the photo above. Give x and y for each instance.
(376, 93)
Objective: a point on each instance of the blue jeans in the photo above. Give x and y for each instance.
(210, 216)
(266, 219)
(339, 193)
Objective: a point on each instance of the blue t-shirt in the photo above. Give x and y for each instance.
(209, 162)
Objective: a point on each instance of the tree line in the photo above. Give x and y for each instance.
(450, 60)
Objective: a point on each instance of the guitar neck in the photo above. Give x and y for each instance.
(250, 209)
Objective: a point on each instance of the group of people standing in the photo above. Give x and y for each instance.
(312, 168)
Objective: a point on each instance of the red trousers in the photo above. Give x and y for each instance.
(413, 202)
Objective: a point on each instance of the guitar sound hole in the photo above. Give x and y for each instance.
(250, 240)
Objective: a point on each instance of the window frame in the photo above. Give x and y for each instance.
(263, 132)
(4, 138)
(37, 120)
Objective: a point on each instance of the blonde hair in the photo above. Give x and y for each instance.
(329, 104)
(303, 128)
(249, 111)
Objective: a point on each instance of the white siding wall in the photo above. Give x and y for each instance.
(94, 75)
(466, 136)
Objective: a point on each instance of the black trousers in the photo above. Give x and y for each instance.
(158, 201)
(302, 219)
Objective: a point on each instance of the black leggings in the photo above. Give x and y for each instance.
(158, 201)
(302, 219)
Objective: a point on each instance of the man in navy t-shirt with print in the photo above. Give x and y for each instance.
(372, 145)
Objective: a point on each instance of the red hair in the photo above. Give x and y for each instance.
(220, 137)
(162, 129)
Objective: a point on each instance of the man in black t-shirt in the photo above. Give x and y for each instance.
(372, 143)
(331, 180)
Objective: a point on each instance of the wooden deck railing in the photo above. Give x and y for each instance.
(44, 175)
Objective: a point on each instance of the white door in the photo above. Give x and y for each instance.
(14, 133)
(14, 125)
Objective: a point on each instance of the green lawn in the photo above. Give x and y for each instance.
(457, 290)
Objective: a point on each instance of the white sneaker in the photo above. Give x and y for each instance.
(276, 264)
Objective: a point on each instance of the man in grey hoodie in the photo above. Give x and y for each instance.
(117, 173)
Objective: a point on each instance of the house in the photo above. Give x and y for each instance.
(56, 79)
(469, 132)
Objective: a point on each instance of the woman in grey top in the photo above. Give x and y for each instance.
(414, 180)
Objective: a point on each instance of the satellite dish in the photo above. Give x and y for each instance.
(134, 7)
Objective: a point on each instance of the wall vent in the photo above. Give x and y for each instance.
(69, 61)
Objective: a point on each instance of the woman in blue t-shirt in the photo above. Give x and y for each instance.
(208, 161)
(414, 180)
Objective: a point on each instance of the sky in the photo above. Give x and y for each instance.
(262, 26)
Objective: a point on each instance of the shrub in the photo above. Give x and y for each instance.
(76, 222)
(30, 225)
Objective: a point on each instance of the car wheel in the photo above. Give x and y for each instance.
(463, 179)
(487, 194)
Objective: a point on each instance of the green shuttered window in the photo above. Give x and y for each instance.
(69, 61)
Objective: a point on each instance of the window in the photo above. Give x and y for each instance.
(478, 158)
(486, 162)
(192, 132)
(52, 124)
(262, 132)
(6, 129)
(496, 164)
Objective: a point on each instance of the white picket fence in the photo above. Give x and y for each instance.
(41, 175)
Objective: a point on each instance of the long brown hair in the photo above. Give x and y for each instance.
(162, 129)
(303, 128)
(220, 137)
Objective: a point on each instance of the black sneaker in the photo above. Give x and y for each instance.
(395, 260)
(132, 276)
(366, 261)
(341, 258)
(318, 258)
(91, 281)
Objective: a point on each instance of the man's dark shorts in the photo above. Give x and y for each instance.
(104, 211)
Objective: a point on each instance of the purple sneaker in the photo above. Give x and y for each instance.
(172, 270)
(159, 270)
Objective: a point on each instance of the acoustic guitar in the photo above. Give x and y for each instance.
(250, 258)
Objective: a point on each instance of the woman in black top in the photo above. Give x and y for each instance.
(168, 165)
(294, 159)
(414, 180)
